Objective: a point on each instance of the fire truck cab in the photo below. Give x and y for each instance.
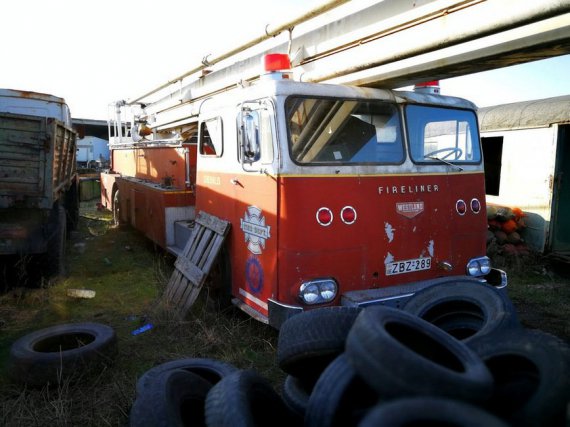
(336, 195)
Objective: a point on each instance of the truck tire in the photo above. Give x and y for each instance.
(175, 398)
(464, 309)
(209, 369)
(340, 397)
(296, 394)
(55, 255)
(531, 372)
(61, 352)
(72, 205)
(399, 354)
(117, 221)
(309, 341)
(245, 399)
(418, 411)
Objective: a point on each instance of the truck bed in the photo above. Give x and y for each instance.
(33, 149)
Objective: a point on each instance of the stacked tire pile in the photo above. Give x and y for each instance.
(504, 231)
(454, 355)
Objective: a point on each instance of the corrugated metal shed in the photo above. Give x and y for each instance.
(524, 115)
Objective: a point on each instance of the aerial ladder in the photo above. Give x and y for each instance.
(312, 182)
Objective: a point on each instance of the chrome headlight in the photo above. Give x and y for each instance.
(479, 266)
(318, 291)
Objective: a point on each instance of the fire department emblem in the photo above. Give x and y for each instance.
(254, 229)
(411, 209)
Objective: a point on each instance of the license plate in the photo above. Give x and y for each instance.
(408, 266)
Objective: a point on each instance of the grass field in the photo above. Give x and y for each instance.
(128, 276)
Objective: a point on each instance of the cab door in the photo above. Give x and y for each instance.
(253, 250)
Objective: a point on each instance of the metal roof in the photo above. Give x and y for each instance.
(528, 114)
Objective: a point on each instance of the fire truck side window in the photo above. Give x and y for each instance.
(340, 131)
(211, 137)
(442, 134)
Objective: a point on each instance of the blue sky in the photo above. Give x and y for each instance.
(534, 80)
(94, 53)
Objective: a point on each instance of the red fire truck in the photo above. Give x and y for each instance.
(335, 194)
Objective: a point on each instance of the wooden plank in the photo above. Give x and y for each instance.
(213, 223)
(193, 265)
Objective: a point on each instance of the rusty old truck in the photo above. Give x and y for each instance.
(39, 199)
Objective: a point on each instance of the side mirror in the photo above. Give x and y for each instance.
(250, 137)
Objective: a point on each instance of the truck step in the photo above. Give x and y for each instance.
(182, 232)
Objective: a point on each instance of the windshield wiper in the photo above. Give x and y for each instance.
(459, 168)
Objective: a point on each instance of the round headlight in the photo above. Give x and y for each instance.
(473, 268)
(328, 290)
(310, 293)
(485, 265)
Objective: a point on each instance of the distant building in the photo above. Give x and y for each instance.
(92, 144)
(526, 146)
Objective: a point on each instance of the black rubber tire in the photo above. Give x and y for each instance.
(309, 341)
(399, 354)
(296, 394)
(464, 309)
(340, 397)
(116, 209)
(175, 398)
(62, 352)
(209, 369)
(531, 372)
(245, 399)
(72, 205)
(429, 411)
(55, 256)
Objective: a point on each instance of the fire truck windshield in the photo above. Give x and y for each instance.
(442, 135)
(340, 131)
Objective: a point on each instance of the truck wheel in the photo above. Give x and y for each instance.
(209, 369)
(116, 209)
(340, 397)
(55, 256)
(309, 341)
(61, 352)
(464, 309)
(220, 281)
(244, 399)
(175, 398)
(72, 206)
(429, 411)
(531, 372)
(399, 354)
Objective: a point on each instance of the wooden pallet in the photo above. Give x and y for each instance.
(194, 264)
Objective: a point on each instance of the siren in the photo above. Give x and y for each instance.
(276, 66)
(430, 88)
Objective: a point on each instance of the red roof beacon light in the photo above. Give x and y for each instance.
(430, 88)
(277, 65)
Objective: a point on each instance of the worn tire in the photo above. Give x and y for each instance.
(399, 354)
(245, 399)
(419, 411)
(531, 372)
(309, 341)
(464, 309)
(62, 352)
(174, 398)
(209, 369)
(296, 394)
(340, 397)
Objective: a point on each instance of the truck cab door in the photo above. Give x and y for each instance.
(254, 249)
